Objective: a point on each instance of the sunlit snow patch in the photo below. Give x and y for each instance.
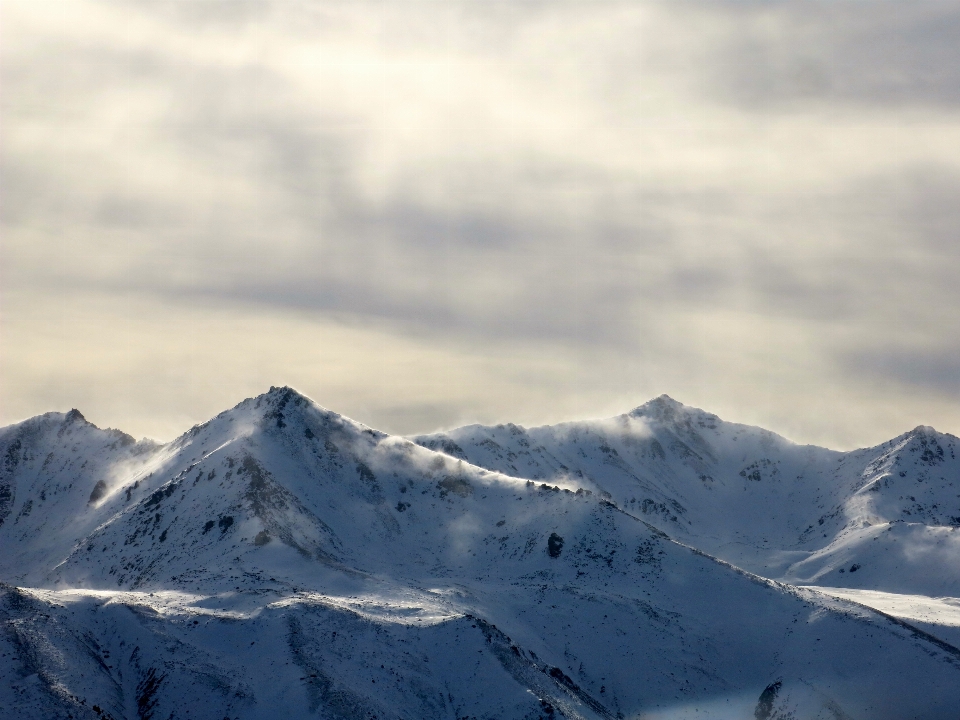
(939, 616)
(402, 609)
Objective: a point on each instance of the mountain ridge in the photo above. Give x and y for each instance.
(684, 460)
(283, 558)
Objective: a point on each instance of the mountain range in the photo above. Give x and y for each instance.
(281, 560)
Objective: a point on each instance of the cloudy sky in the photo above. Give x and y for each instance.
(428, 213)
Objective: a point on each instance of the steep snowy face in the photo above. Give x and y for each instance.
(899, 528)
(724, 486)
(279, 480)
(912, 479)
(61, 477)
(283, 560)
(750, 496)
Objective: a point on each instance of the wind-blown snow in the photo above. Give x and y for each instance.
(281, 560)
(802, 514)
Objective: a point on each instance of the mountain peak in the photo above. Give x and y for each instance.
(667, 400)
(276, 400)
(285, 394)
(663, 407)
(73, 416)
(283, 405)
(281, 399)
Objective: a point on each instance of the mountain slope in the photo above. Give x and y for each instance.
(800, 513)
(59, 479)
(283, 560)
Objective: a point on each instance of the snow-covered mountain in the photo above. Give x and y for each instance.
(882, 518)
(283, 561)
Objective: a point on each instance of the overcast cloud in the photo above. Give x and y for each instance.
(426, 213)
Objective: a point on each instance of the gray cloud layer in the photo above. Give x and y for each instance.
(751, 206)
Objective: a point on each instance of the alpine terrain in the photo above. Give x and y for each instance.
(283, 561)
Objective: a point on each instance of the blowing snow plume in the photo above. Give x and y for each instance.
(283, 559)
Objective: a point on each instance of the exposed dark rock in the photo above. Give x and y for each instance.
(554, 545)
(99, 490)
(456, 485)
(764, 709)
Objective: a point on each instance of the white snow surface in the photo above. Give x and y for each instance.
(281, 560)
(797, 513)
(938, 616)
